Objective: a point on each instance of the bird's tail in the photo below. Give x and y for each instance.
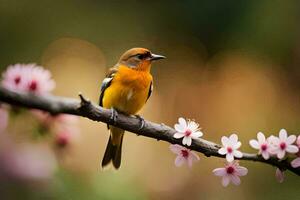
(113, 150)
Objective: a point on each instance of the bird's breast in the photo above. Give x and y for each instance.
(128, 91)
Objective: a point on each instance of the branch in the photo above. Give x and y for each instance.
(85, 108)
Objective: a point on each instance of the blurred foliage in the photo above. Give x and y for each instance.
(232, 65)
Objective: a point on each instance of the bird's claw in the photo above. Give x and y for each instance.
(142, 122)
(114, 116)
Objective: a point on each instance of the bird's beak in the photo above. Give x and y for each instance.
(156, 57)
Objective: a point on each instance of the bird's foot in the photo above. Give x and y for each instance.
(142, 121)
(113, 116)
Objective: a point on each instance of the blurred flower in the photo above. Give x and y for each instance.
(3, 118)
(27, 162)
(183, 155)
(63, 126)
(62, 138)
(38, 80)
(231, 173)
(279, 175)
(230, 146)
(28, 78)
(262, 145)
(65, 135)
(13, 77)
(187, 130)
(283, 144)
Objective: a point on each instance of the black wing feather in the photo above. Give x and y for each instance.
(106, 83)
(150, 90)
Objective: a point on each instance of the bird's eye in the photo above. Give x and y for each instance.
(140, 56)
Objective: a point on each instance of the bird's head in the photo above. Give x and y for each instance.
(139, 58)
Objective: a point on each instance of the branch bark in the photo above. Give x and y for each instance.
(85, 108)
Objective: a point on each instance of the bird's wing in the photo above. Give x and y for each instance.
(150, 90)
(106, 83)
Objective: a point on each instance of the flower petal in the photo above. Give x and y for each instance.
(237, 145)
(280, 154)
(222, 151)
(179, 161)
(291, 139)
(237, 154)
(273, 140)
(194, 156)
(261, 137)
(241, 171)
(175, 148)
(229, 157)
(219, 172)
(179, 128)
(279, 175)
(254, 144)
(196, 135)
(178, 135)
(292, 149)
(225, 180)
(235, 179)
(182, 123)
(193, 126)
(283, 134)
(296, 163)
(225, 141)
(265, 155)
(188, 141)
(233, 138)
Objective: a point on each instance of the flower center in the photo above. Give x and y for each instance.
(282, 145)
(229, 170)
(188, 132)
(33, 85)
(17, 80)
(263, 147)
(229, 149)
(184, 153)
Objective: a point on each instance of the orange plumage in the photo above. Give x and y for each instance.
(126, 89)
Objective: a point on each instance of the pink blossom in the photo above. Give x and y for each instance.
(231, 173)
(230, 147)
(183, 155)
(62, 139)
(188, 130)
(262, 144)
(63, 126)
(279, 175)
(13, 77)
(66, 135)
(3, 118)
(283, 144)
(38, 80)
(28, 78)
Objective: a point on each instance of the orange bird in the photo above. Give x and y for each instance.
(126, 89)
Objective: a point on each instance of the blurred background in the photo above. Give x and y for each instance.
(233, 66)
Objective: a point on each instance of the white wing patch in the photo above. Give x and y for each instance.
(105, 82)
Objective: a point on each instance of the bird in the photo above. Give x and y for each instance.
(126, 89)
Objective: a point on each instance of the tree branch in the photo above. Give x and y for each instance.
(85, 108)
